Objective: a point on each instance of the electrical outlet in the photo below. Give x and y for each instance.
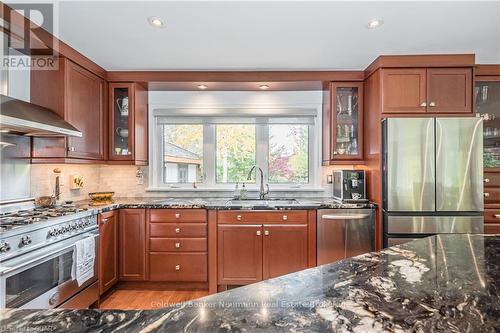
(329, 179)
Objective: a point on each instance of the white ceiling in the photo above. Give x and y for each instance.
(274, 35)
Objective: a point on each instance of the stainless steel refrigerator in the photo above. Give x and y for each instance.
(432, 177)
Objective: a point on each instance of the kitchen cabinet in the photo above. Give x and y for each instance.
(285, 249)
(132, 244)
(343, 123)
(128, 129)
(487, 95)
(239, 254)
(78, 96)
(108, 250)
(426, 90)
(257, 245)
(493, 229)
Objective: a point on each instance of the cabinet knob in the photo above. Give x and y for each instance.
(423, 104)
(71, 148)
(432, 104)
(266, 232)
(486, 180)
(285, 217)
(238, 217)
(104, 221)
(177, 215)
(177, 245)
(486, 194)
(258, 232)
(177, 267)
(177, 230)
(497, 216)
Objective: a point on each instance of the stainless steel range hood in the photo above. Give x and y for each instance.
(30, 119)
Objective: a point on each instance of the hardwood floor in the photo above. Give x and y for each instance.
(148, 299)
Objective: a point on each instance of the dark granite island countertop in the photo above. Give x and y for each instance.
(448, 283)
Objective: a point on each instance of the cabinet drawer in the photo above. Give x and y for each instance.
(178, 230)
(492, 195)
(492, 216)
(178, 244)
(178, 267)
(177, 215)
(239, 217)
(491, 179)
(492, 228)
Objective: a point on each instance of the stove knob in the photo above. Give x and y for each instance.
(67, 228)
(52, 233)
(25, 240)
(4, 247)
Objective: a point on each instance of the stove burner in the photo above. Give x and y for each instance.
(23, 217)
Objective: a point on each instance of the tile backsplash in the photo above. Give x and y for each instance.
(123, 181)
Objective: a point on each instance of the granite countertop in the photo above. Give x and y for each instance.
(215, 203)
(447, 283)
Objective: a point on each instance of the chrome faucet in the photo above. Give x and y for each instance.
(262, 192)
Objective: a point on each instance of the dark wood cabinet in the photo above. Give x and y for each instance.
(343, 123)
(108, 250)
(79, 96)
(404, 90)
(132, 246)
(426, 90)
(285, 249)
(492, 229)
(239, 254)
(128, 128)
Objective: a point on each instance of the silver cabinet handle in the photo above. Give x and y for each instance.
(177, 215)
(344, 216)
(486, 194)
(177, 230)
(432, 104)
(497, 216)
(238, 217)
(258, 232)
(104, 221)
(285, 217)
(177, 267)
(71, 148)
(177, 245)
(266, 232)
(423, 104)
(486, 180)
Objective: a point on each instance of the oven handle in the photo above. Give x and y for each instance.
(41, 259)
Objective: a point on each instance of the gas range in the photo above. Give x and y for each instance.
(25, 230)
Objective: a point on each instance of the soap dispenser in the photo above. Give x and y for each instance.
(243, 192)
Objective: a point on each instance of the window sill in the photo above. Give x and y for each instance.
(231, 189)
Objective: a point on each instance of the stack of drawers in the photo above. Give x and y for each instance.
(178, 245)
(492, 203)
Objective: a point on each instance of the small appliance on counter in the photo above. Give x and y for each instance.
(349, 186)
(101, 198)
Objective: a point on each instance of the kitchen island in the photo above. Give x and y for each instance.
(448, 283)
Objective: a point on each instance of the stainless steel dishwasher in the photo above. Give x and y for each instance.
(344, 233)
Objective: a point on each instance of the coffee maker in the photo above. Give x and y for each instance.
(349, 186)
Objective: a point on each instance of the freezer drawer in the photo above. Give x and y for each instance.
(344, 233)
(434, 224)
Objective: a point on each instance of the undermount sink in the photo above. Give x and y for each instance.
(263, 202)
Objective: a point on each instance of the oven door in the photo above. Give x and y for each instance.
(44, 278)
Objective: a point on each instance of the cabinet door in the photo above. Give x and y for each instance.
(347, 121)
(132, 244)
(285, 249)
(239, 254)
(492, 228)
(121, 99)
(108, 250)
(84, 109)
(449, 90)
(403, 90)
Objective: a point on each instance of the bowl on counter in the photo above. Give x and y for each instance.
(101, 198)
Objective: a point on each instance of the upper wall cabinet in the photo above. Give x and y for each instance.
(128, 123)
(426, 90)
(78, 96)
(343, 123)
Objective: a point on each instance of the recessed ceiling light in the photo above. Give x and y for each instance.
(375, 23)
(202, 86)
(263, 87)
(156, 22)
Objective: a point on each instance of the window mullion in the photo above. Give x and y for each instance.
(262, 149)
(209, 154)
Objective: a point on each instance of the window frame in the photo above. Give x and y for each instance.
(210, 159)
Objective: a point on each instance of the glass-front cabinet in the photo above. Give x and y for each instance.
(488, 106)
(121, 98)
(345, 122)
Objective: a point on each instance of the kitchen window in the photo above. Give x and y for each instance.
(217, 151)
